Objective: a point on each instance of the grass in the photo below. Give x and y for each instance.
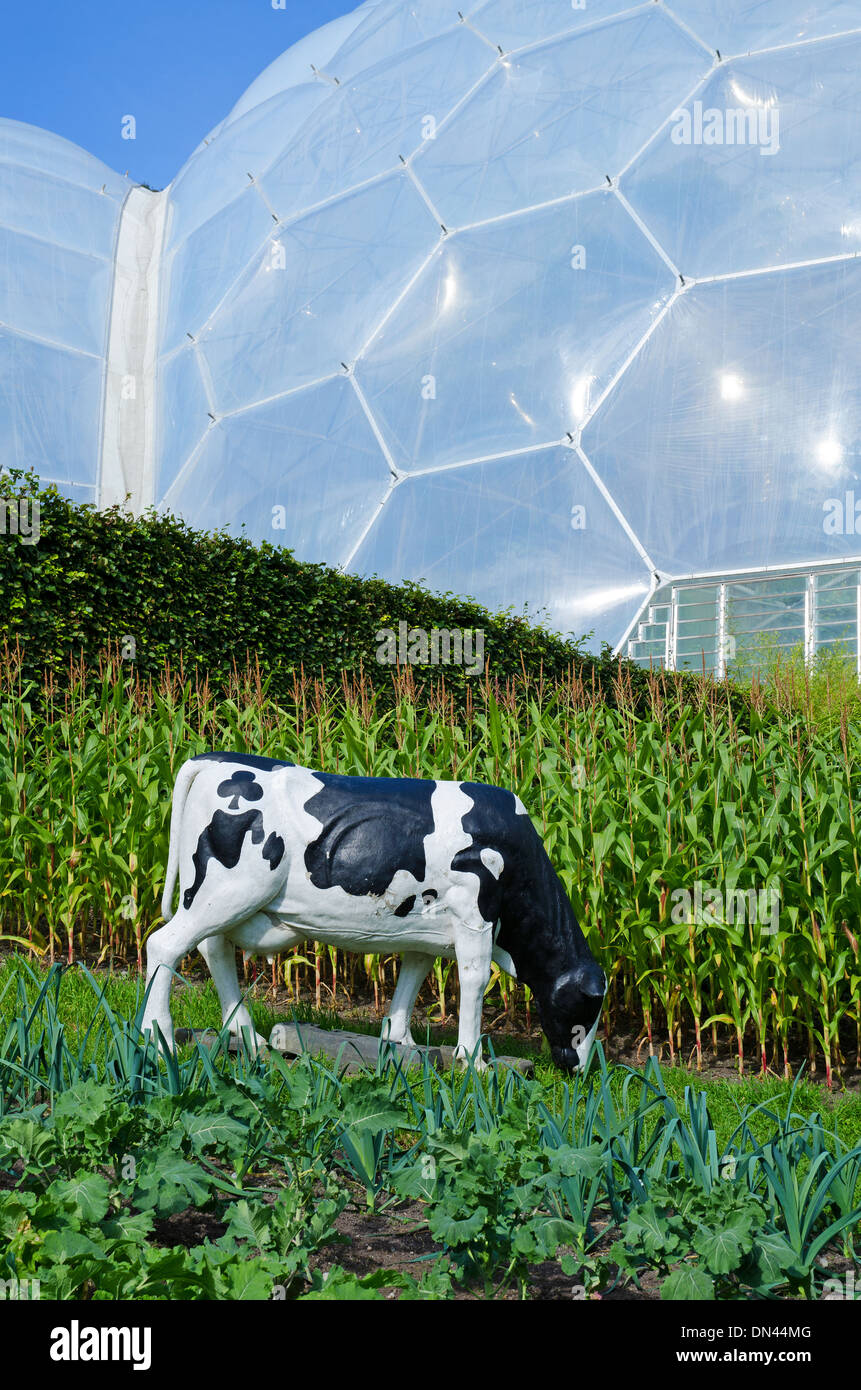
(195, 1005)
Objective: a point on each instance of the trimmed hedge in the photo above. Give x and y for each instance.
(96, 579)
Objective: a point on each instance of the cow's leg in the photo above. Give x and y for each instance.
(164, 950)
(413, 970)
(473, 948)
(220, 956)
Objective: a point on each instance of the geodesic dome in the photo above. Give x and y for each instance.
(59, 214)
(550, 304)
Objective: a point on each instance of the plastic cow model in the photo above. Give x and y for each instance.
(269, 855)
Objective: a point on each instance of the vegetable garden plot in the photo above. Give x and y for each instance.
(211, 1177)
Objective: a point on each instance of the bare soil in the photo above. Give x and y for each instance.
(398, 1242)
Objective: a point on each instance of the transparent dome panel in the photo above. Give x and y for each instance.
(58, 211)
(559, 119)
(374, 119)
(512, 332)
(511, 24)
(183, 413)
(535, 526)
(737, 26)
(763, 168)
(734, 435)
(219, 171)
(40, 150)
(205, 267)
(388, 29)
(50, 410)
(296, 64)
(305, 472)
(309, 302)
(52, 293)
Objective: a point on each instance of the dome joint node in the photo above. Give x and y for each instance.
(191, 336)
(444, 229)
(348, 370)
(212, 417)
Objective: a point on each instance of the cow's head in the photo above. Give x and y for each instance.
(570, 1014)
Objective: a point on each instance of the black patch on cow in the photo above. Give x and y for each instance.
(405, 908)
(245, 759)
(273, 850)
(222, 839)
(537, 926)
(489, 822)
(371, 828)
(240, 786)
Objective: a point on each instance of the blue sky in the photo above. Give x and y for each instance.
(78, 67)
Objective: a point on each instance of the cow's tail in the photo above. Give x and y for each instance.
(182, 786)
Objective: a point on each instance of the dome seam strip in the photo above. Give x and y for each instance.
(378, 434)
(634, 353)
(192, 459)
(773, 269)
(393, 483)
(797, 43)
(615, 508)
(51, 343)
(488, 458)
(698, 85)
(468, 24)
(398, 300)
(686, 28)
(637, 219)
(655, 583)
(279, 396)
(575, 30)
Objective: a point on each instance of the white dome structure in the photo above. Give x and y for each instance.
(59, 220)
(552, 304)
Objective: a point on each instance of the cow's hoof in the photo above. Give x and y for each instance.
(254, 1044)
(462, 1060)
(279, 1038)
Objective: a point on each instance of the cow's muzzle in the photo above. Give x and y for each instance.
(565, 1058)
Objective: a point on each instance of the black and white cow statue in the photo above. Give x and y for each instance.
(269, 854)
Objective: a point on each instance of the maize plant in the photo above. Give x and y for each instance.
(715, 869)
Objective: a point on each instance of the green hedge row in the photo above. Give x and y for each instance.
(96, 579)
